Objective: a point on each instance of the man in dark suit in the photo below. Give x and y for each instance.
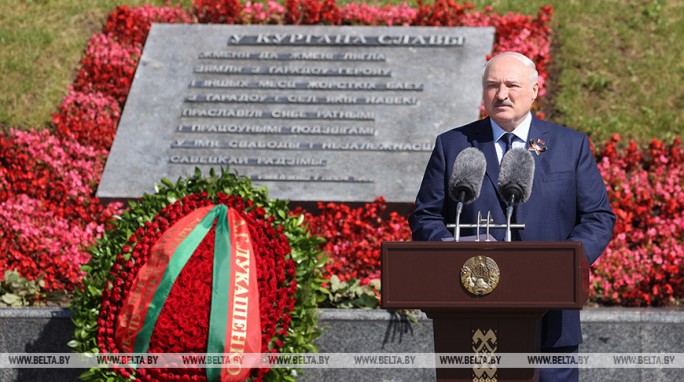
(568, 199)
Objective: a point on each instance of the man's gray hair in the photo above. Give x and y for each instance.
(534, 76)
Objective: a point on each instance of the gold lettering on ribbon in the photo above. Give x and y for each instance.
(238, 329)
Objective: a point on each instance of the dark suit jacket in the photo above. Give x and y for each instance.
(568, 201)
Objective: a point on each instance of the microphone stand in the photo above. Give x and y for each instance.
(509, 215)
(488, 222)
(459, 209)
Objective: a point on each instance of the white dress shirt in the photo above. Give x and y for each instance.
(521, 132)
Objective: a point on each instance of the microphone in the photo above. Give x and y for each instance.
(467, 174)
(515, 181)
(516, 176)
(466, 181)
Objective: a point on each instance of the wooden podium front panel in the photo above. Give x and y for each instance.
(533, 275)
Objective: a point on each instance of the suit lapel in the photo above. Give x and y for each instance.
(485, 143)
(537, 131)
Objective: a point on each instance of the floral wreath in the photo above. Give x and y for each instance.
(288, 272)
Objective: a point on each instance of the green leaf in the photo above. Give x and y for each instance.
(88, 374)
(168, 183)
(334, 282)
(10, 298)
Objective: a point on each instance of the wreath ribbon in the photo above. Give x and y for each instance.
(234, 323)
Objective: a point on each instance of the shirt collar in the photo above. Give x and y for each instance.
(521, 131)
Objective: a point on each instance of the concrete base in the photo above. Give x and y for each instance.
(606, 330)
(36, 330)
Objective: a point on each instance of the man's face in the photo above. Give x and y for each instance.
(507, 92)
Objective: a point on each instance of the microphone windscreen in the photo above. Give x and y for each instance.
(467, 174)
(516, 175)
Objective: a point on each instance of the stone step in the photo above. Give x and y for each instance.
(606, 330)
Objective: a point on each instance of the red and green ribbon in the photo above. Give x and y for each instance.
(170, 255)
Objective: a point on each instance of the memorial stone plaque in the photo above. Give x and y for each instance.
(311, 112)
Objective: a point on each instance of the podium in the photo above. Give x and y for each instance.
(470, 316)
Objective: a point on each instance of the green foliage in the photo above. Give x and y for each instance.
(351, 294)
(16, 291)
(653, 10)
(303, 328)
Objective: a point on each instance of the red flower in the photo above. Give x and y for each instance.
(183, 323)
(353, 236)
